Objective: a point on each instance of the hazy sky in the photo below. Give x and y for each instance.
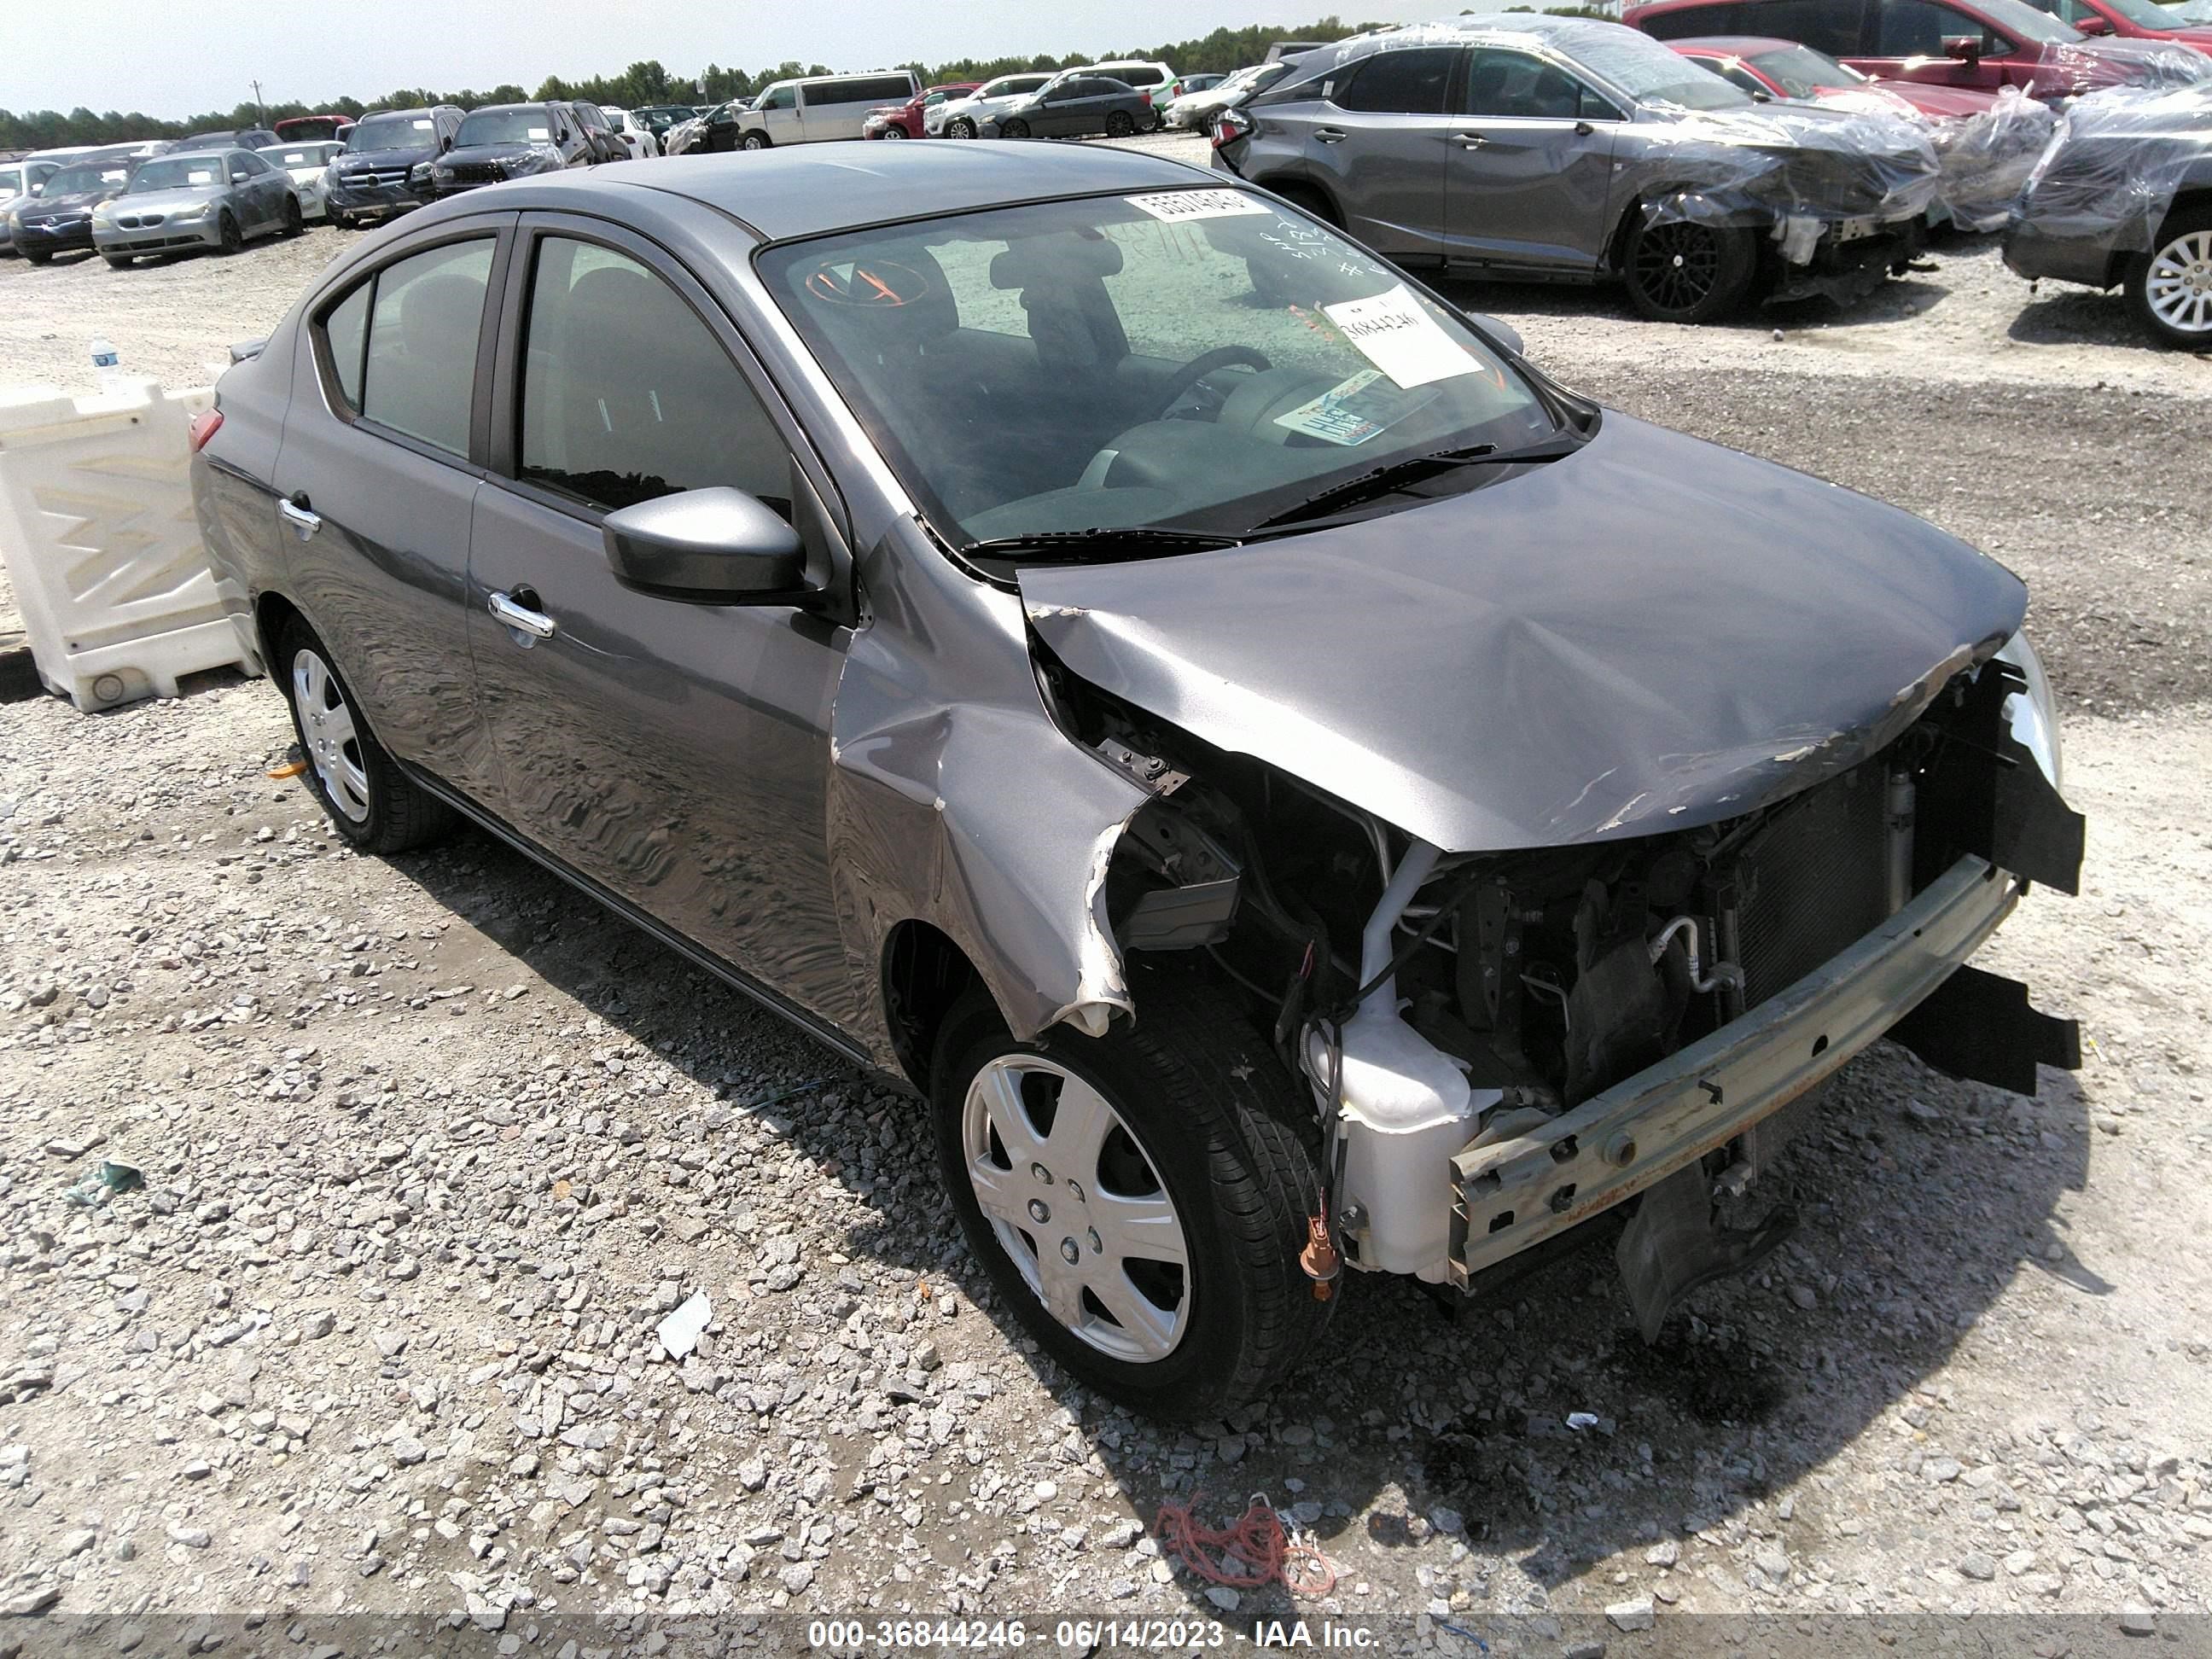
(171, 59)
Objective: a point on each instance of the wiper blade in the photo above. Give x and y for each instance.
(1394, 476)
(1133, 541)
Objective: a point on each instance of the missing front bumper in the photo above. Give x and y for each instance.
(1516, 1194)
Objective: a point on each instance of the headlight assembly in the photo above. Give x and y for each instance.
(2032, 715)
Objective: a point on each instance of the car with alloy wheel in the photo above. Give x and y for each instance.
(1566, 149)
(1074, 106)
(2122, 198)
(208, 201)
(1240, 766)
(58, 219)
(963, 118)
(911, 118)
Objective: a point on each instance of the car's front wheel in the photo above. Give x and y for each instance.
(39, 256)
(2171, 287)
(1681, 270)
(960, 127)
(375, 804)
(893, 131)
(228, 240)
(1138, 1201)
(1014, 129)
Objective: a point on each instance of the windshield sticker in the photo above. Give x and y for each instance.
(540, 133)
(1395, 334)
(1174, 206)
(200, 176)
(1355, 411)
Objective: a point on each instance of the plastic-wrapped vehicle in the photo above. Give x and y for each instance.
(2122, 197)
(500, 142)
(1569, 150)
(1295, 793)
(1198, 109)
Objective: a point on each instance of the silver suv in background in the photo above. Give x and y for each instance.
(1566, 148)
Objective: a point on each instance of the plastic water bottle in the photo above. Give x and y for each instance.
(106, 366)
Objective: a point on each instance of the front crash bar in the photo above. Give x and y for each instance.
(1518, 1193)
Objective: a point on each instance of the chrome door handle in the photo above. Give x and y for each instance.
(536, 624)
(1328, 135)
(295, 513)
(1470, 140)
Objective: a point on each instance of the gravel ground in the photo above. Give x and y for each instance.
(428, 1150)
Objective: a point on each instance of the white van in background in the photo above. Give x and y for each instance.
(821, 106)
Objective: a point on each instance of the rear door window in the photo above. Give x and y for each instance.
(1410, 82)
(402, 345)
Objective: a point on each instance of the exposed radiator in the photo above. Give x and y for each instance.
(1812, 882)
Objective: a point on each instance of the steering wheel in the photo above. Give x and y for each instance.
(1198, 368)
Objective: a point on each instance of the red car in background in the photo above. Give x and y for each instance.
(308, 129)
(2130, 20)
(904, 120)
(1978, 45)
(1770, 68)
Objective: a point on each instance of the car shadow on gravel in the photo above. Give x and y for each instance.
(2063, 316)
(1895, 300)
(1535, 1424)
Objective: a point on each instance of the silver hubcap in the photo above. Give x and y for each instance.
(333, 745)
(1077, 1206)
(2179, 285)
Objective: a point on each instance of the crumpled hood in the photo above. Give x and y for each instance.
(1652, 634)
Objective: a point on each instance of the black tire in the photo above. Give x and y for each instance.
(960, 127)
(1223, 1129)
(1014, 129)
(296, 219)
(755, 141)
(1681, 271)
(893, 131)
(229, 239)
(399, 815)
(119, 261)
(2183, 259)
(1120, 124)
(40, 256)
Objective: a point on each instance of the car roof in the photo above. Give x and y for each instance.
(785, 193)
(1736, 46)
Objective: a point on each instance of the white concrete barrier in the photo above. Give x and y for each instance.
(102, 546)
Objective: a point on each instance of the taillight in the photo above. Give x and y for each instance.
(1229, 127)
(205, 425)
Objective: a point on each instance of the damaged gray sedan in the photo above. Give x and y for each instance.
(1300, 793)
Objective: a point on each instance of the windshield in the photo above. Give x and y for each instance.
(1800, 71)
(176, 173)
(505, 126)
(83, 181)
(1027, 370)
(391, 132)
(2018, 17)
(2148, 14)
(2192, 11)
(1648, 71)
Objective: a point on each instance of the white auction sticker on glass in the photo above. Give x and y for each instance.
(1354, 410)
(1401, 338)
(1176, 205)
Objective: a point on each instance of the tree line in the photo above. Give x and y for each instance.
(647, 82)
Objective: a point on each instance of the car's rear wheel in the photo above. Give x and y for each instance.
(755, 141)
(1138, 1201)
(295, 221)
(375, 804)
(1680, 271)
(119, 261)
(1014, 129)
(227, 237)
(960, 127)
(1120, 124)
(2171, 287)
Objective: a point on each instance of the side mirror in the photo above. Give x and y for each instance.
(715, 546)
(2093, 25)
(1963, 48)
(1504, 333)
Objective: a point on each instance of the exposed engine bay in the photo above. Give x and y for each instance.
(1440, 1003)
